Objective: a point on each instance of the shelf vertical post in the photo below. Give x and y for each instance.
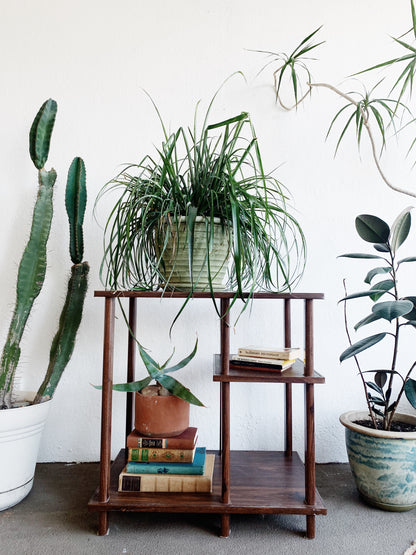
(288, 386)
(131, 362)
(106, 407)
(225, 413)
(309, 420)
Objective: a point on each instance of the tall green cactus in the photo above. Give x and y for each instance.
(32, 267)
(64, 340)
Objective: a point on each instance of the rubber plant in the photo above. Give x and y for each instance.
(32, 268)
(398, 313)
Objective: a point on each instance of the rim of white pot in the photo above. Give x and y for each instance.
(347, 420)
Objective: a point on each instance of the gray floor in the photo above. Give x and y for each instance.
(54, 519)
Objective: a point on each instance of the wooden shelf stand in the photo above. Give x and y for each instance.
(245, 482)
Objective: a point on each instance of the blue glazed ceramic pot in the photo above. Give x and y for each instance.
(383, 463)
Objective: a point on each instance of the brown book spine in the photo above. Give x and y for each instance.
(186, 440)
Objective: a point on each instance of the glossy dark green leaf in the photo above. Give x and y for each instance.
(381, 247)
(400, 229)
(362, 345)
(367, 320)
(360, 255)
(381, 288)
(410, 390)
(375, 387)
(368, 293)
(376, 271)
(380, 378)
(412, 314)
(389, 310)
(372, 229)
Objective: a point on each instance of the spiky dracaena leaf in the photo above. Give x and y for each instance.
(75, 202)
(41, 132)
(30, 279)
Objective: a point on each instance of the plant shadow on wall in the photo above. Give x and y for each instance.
(18, 447)
(198, 208)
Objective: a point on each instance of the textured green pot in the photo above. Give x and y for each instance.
(175, 261)
(383, 463)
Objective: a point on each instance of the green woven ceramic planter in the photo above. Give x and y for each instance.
(175, 262)
(383, 463)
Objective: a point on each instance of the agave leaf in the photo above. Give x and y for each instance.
(183, 362)
(176, 388)
(361, 345)
(410, 391)
(400, 229)
(375, 271)
(372, 229)
(390, 310)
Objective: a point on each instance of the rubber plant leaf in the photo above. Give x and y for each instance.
(383, 286)
(400, 229)
(367, 320)
(360, 255)
(368, 293)
(376, 271)
(362, 345)
(410, 391)
(372, 229)
(412, 314)
(389, 310)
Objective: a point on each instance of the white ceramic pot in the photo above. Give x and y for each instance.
(20, 435)
(176, 261)
(383, 463)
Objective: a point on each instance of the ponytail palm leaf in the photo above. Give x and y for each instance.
(216, 173)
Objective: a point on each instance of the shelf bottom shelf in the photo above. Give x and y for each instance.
(261, 482)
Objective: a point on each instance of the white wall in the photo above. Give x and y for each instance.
(95, 57)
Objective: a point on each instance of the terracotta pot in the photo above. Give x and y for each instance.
(160, 416)
(382, 463)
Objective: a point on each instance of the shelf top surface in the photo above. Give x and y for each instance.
(207, 294)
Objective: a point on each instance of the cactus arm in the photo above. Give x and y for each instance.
(64, 340)
(75, 201)
(41, 132)
(30, 279)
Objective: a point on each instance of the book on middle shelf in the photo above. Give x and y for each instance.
(197, 466)
(280, 353)
(254, 363)
(142, 454)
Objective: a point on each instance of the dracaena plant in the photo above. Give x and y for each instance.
(366, 111)
(159, 373)
(384, 385)
(213, 170)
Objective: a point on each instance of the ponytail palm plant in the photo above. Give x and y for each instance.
(215, 173)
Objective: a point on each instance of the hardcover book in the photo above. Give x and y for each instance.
(172, 483)
(197, 466)
(160, 455)
(185, 440)
(261, 363)
(281, 353)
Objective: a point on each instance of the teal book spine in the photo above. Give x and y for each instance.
(195, 467)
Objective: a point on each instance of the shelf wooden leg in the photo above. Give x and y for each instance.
(103, 523)
(225, 526)
(289, 419)
(310, 527)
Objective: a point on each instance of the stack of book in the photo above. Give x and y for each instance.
(263, 358)
(172, 464)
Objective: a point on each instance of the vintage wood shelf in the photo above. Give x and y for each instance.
(246, 482)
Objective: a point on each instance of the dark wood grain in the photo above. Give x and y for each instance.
(206, 295)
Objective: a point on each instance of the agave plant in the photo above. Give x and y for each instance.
(158, 373)
(398, 312)
(217, 173)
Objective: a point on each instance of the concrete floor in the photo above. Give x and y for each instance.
(54, 519)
